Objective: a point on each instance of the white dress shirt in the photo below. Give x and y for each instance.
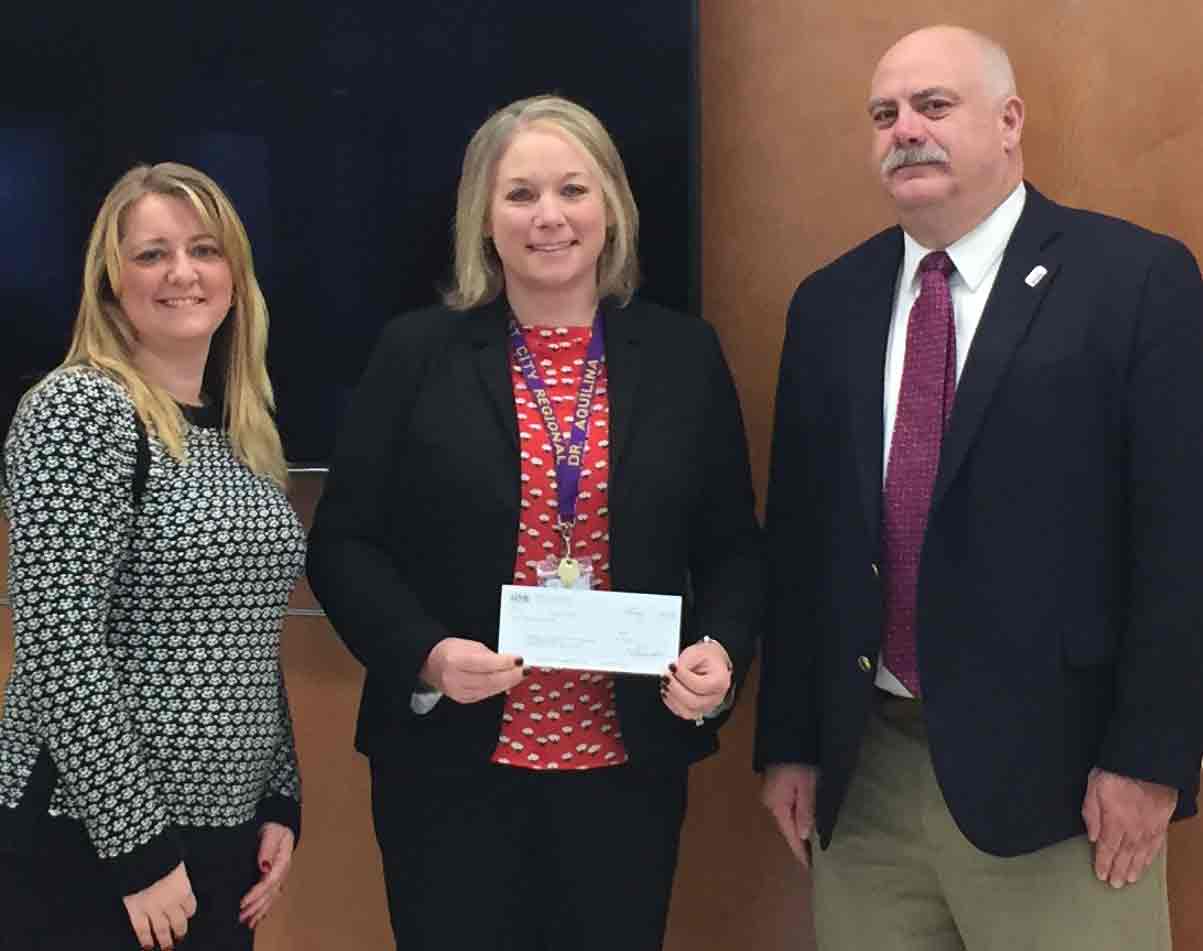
(977, 257)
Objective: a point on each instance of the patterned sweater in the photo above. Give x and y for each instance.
(146, 692)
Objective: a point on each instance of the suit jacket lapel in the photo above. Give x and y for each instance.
(1011, 306)
(868, 328)
(491, 356)
(623, 336)
(490, 351)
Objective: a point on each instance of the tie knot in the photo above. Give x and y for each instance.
(937, 261)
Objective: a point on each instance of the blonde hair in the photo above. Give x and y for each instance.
(478, 272)
(104, 338)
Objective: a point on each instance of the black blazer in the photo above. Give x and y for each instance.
(417, 528)
(1060, 614)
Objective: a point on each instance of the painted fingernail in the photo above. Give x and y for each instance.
(526, 671)
(518, 662)
(673, 668)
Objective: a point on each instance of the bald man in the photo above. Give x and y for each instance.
(981, 683)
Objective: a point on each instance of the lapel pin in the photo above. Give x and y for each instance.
(1036, 275)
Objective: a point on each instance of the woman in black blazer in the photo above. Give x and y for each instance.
(445, 486)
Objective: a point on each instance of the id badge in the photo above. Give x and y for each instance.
(572, 573)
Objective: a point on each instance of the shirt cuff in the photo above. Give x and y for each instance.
(421, 702)
(729, 699)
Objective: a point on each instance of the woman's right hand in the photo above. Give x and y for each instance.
(160, 912)
(467, 671)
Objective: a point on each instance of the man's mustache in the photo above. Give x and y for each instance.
(917, 155)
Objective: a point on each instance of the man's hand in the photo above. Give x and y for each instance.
(159, 913)
(788, 793)
(467, 671)
(1126, 819)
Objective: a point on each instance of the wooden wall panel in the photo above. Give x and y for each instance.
(1114, 123)
(335, 895)
(737, 884)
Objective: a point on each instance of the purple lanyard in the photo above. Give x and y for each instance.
(570, 451)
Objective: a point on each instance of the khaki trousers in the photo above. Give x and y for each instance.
(900, 876)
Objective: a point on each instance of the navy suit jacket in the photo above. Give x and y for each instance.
(1060, 600)
(417, 528)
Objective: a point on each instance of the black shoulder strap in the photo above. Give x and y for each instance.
(141, 461)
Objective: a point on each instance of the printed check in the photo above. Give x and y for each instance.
(614, 631)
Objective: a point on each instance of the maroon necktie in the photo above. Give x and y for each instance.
(929, 382)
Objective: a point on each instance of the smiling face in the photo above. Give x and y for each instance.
(946, 127)
(176, 285)
(547, 213)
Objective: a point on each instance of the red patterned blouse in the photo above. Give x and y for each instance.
(561, 719)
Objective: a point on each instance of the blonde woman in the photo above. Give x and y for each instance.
(148, 777)
(522, 808)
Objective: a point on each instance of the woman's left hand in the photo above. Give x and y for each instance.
(275, 855)
(697, 683)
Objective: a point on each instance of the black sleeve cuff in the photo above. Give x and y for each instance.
(1148, 749)
(281, 809)
(146, 864)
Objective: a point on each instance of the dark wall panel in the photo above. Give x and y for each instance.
(338, 130)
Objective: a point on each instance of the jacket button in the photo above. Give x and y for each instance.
(864, 663)
(876, 570)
